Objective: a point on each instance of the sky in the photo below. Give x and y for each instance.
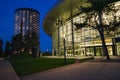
(7, 8)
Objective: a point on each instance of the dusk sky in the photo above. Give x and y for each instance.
(7, 8)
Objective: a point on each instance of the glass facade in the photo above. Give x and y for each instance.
(80, 41)
(87, 40)
(27, 19)
(26, 22)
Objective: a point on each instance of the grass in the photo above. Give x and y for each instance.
(25, 65)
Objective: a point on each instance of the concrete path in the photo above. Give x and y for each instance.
(92, 70)
(6, 71)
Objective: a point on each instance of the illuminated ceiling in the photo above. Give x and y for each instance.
(62, 11)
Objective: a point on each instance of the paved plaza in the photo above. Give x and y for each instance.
(97, 69)
(92, 70)
(6, 71)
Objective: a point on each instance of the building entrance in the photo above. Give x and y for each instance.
(97, 51)
(93, 51)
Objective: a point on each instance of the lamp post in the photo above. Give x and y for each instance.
(64, 48)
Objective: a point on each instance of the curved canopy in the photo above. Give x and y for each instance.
(62, 11)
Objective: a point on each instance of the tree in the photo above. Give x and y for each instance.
(16, 44)
(7, 49)
(1, 47)
(25, 43)
(31, 42)
(94, 17)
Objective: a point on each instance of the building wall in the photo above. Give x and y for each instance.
(86, 40)
(27, 19)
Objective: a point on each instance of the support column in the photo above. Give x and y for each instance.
(58, 37)
(72, 30)
(114, 47)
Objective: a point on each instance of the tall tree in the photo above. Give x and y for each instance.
(26, 42)
(31, 41)
(1, 47)
(95, 16)
(7, 49)
(16, 44)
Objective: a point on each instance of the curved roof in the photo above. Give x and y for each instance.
(61, 10)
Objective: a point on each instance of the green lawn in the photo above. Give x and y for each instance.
(25, 65)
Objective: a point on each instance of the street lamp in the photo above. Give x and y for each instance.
(64, 47)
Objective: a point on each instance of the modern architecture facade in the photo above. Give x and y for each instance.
(78, 42)
(26, 20)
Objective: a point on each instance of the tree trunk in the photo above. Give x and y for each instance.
(101, 31)
(104, 47)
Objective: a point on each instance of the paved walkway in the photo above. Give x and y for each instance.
(6, 71)
(91, 70)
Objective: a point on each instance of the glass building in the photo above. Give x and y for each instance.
(60, 22)
(26, 20)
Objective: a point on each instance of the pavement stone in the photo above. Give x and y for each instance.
(6, 71)
(97, 69)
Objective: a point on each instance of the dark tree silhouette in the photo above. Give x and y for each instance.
(1, 47)
(7, 49)
(26, 43)
(16, 44)
(31, 42)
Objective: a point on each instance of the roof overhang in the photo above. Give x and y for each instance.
(62, 11)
